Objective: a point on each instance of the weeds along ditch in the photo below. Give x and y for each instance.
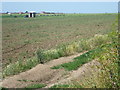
(78, 61)
(108, 72)
(43, 56)
(106, 54)
(108, 76)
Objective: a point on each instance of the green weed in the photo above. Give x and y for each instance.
(65, 86)
(78, 61)
(36, 86)
(40, 55)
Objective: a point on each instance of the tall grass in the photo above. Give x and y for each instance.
(98, 40)
(70, 49)
(20, 66)
(107, 75)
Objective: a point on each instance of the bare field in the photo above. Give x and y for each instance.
(23, 36)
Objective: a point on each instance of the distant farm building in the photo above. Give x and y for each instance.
(9, 13)
(32, 14)
(43, 12)
(21, 13)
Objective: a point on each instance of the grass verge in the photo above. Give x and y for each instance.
(35, 86)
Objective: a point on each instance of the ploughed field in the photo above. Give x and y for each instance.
(22, 37)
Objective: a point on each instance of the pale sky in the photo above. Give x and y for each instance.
(60, 0)
(62, 7)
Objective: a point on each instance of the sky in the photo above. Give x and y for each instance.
(61, 7)
(60, 0)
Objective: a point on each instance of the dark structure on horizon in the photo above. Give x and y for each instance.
(32, 14)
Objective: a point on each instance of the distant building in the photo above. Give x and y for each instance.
(43, 12)
(32, 14)
(20, 12)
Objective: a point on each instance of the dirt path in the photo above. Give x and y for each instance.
(80, 75)
(39, 74)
